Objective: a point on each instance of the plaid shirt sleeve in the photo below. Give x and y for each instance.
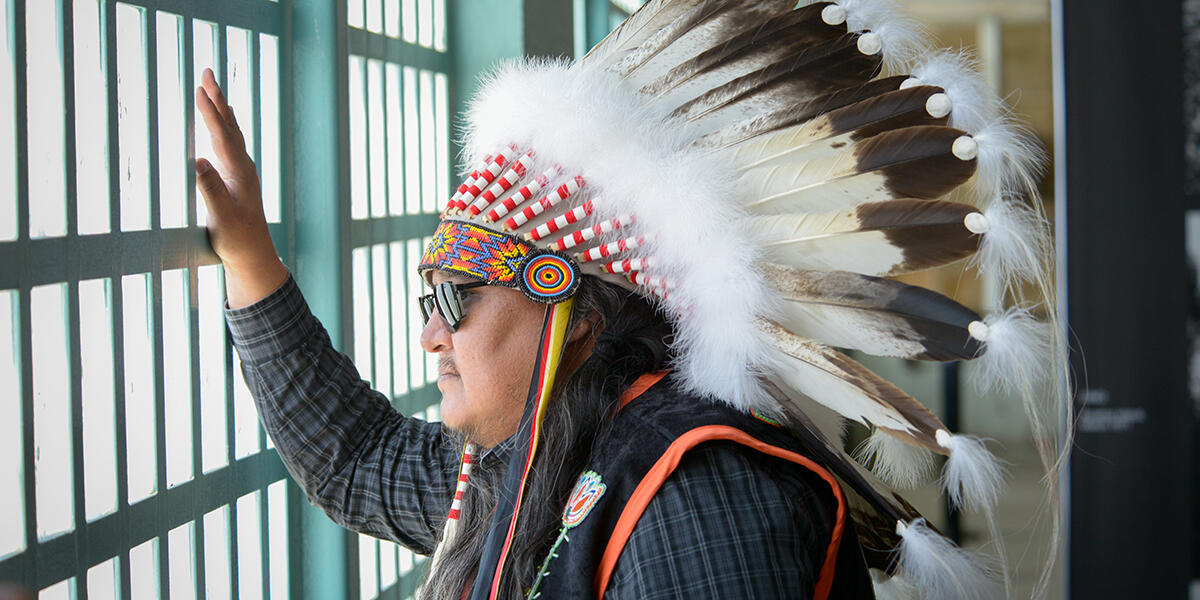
(368, 467)
(728, 524)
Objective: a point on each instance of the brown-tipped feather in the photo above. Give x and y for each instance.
(792, 115)
(788, 35)
(875, 315)
(932, 233)
(914, 162)
(821, 71)
(644, 22)
(917, 161)
(827, 134)
(706, 25)
(894, 110)
(839, 383)
(884, 238)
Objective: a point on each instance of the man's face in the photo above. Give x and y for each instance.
(484, 368)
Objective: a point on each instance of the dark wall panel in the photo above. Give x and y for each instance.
(1127, 299)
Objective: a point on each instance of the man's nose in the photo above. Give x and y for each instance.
(435, 337)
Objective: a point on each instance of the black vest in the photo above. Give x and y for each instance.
(658, 427)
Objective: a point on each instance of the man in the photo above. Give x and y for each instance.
(627, 384)
(378, 473)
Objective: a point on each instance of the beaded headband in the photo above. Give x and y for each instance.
(501, 259)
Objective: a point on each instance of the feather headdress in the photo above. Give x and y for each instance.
(760, 170)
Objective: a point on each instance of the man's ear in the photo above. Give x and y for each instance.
(588, 326)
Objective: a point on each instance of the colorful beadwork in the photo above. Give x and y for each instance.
(475, 251)
(501, 259)
(586, 494)
(548, 276)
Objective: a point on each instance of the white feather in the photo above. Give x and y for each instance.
(842, 327)
(902, 36)
(1017, 242)
(825, 242)
(972, 478)
(1016, 353)
(840, 191)
(938, 569)
(975, 103)
(899, 464)
(845, 386)
(891, 588)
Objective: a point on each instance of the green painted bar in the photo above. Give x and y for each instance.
(314, 78)
(260, 15)
(374, 45)
(376, 231)
(57, 558)
(473, 54)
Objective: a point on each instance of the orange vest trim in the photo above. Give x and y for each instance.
(639, 387)
(666, 464)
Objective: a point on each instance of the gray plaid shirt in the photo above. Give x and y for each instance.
(726, 524)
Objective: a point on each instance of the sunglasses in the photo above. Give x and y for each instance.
(447, 299)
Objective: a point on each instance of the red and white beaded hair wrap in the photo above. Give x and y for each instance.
(464, 475)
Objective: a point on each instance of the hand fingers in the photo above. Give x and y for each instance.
(209, 82)
(212, 187)
(208, 110)
(227, 138)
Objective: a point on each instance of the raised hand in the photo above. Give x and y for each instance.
(237, 227)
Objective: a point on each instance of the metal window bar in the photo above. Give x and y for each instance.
(100, 549)
(391, 213)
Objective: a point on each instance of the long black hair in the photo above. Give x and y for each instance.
(634, 339)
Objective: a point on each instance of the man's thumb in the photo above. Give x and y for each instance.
(212, 187)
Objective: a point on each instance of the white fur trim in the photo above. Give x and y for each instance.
(636, 160)
(937, 568)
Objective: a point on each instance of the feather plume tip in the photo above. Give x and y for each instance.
(901, 37)
(973, 478)
(938, 569)
(1013, 360)
(1016, 243)
(899, 464)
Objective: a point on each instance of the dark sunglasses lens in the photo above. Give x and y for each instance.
(449, 303)
(426, 304)
(446, 299)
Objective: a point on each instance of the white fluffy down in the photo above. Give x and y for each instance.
(937, 569)
(1010, 158)
(1014, 358)
(891, 588)
(975, 103)
(903, 37)
(1017, 242)
(899, 464)
(636, 161)
(973, 477)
